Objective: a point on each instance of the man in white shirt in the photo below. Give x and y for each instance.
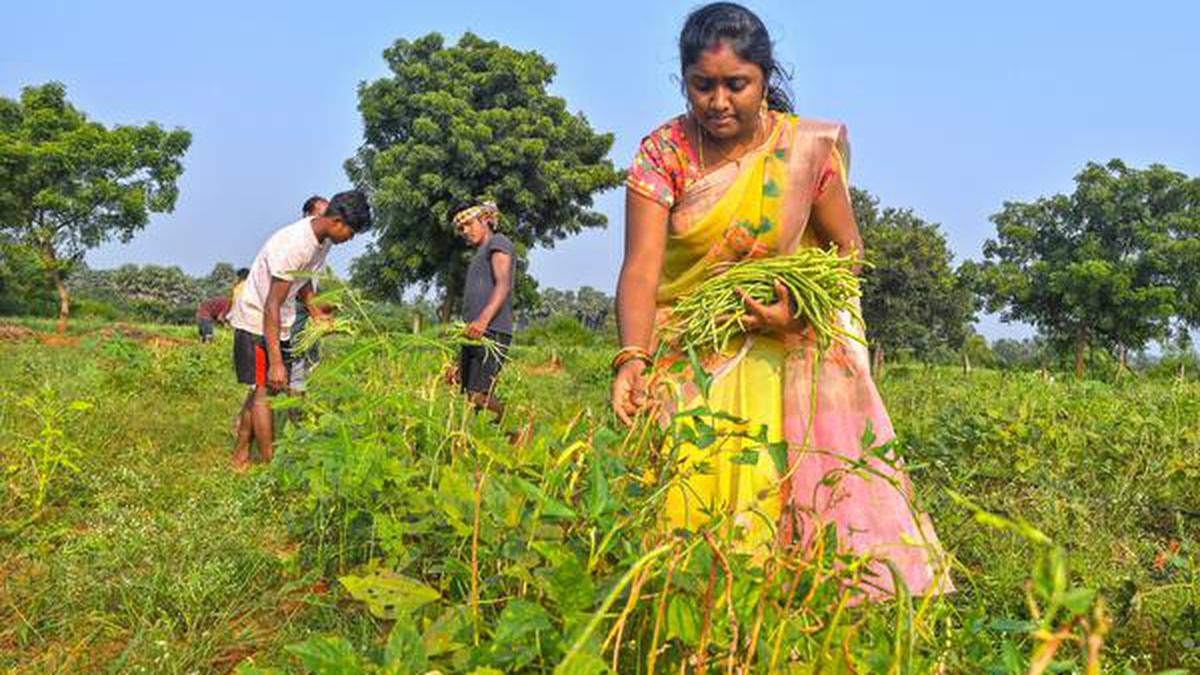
(265, 310)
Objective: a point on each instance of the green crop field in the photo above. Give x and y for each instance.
(396, 532)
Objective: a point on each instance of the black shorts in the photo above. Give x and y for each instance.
(251, 358)
(477, 369)
(206, 328)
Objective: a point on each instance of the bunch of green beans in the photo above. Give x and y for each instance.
(821, 283)
(316, 329)
(456, 335)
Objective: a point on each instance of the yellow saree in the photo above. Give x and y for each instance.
(760, 206)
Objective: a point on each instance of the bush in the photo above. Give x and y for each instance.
(96, 309)
(559, 330)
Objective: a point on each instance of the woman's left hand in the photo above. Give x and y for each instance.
(773, 318)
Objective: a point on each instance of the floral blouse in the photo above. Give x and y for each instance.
(666, 164)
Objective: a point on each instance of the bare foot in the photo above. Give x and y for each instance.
(240, 463)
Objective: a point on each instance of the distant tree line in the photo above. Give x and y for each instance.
(155, 293)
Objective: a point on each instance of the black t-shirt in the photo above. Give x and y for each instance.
(481, 281)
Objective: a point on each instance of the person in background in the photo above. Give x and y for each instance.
(238, 285)
(212, 311)
(266, 309)
(302, 364)
(487, 302)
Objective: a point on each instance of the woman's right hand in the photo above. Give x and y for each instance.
(629, 391)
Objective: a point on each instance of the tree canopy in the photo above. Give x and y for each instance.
(913, 297)
(1111, 265)
(463, 122)
(68, 184)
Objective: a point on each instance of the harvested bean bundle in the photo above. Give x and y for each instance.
(456, 334)
(316, 329)
(821, 283)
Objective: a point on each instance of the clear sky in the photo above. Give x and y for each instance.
(953, 107)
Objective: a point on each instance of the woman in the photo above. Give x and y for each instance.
(739, 176)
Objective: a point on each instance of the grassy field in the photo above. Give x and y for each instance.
(128, 546)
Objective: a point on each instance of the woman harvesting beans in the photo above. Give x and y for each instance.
(740, 183)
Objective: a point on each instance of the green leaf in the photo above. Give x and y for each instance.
(604, 439)
(551, 507)
(599, 500)
(1078, 600)
(745, 458)
(700, 376)
(582, 663)
(868, 437)
(520, 618)
(404, 653)
(328, 655)
(565, 580)
(1011, 625)
(245, 668)
(683, 619)
(389, 595)
(779, 455)
(706, 434)
(440, 637)
(456, 500)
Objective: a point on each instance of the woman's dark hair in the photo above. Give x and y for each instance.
(351, 208)
(310, 204)
(243, 273)
(746, 34)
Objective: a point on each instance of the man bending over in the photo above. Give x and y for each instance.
(265, 310)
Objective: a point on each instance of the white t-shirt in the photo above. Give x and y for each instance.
(292, 249)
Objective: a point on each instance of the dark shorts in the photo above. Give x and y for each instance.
(478, 369)
(206, 328)
(250, 359)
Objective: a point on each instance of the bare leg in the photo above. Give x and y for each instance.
(264, 430)
(486, 401)
(245, 434)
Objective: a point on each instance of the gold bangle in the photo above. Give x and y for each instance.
(631, 353)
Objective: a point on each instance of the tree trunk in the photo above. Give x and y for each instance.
(416, 324)
(877, 367)
(64, 299)
(1080, 346)
(1121, 364)
(966, 361)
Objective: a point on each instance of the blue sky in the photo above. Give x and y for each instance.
(953, 107)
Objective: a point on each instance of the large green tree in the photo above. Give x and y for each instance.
(24, 285)
(462, 122)
(913, 297)
(1104, 266)
(68, 184)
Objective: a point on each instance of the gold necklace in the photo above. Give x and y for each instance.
(724, 156)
